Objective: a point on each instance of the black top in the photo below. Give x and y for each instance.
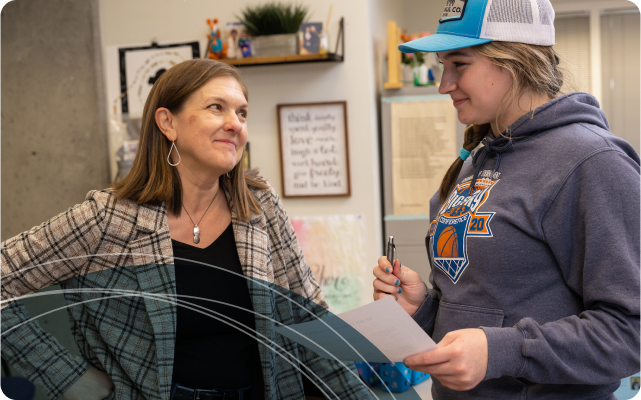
(210, 353)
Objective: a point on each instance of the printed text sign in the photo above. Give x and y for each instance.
(313, 143)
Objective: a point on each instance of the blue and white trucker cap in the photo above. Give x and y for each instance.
(467, 23)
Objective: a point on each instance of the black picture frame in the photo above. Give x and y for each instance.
(195, 48)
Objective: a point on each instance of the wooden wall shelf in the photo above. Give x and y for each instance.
(296, 58)
(291, 59)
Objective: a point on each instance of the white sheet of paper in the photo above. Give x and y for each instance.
(388, 327)
(393, 333)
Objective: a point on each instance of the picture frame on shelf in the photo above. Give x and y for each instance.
(325, 55)
(309, 37)
(314, 151)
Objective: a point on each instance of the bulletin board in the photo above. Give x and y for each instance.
(423, 135)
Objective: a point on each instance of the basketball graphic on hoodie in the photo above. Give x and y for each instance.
(458, 220)
(447, 245)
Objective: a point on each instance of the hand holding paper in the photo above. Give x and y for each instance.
(459, 363)
(377, 332)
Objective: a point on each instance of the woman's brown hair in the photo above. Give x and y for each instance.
(152, 179)
(534, 69)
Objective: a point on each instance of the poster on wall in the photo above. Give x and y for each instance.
(140, 67)
(334, 247)
(313, 149)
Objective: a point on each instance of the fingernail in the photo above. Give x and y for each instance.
(404, 363)
(400, 290)
(397, 282)
(387, 269)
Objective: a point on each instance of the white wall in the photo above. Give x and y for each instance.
(423, 15)
(125, 22)
(380, 13)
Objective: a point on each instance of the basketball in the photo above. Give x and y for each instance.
(447, 245)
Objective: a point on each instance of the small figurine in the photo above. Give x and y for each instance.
(244, 44)
(215, 48)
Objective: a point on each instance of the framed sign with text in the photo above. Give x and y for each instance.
(313, 149)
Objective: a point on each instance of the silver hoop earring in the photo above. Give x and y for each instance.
(173, 146)
(228, 175)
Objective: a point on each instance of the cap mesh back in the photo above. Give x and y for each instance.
(517, 11)
(523, 21)
(546, 18)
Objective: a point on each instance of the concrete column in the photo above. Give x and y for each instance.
(53, 143)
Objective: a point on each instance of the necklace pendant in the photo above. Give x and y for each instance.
(196, 234)
(196, 228)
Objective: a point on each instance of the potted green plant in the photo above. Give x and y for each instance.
(273, 28)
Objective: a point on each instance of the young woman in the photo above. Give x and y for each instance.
(176, 276)
(534, 240)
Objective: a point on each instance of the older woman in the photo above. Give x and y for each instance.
(175, 276)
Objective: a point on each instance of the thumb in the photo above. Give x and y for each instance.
(406, 275)
(447, 340)
(397, 271)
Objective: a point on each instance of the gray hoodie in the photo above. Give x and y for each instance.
(543, 256)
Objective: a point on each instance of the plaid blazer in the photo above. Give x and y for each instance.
(113, 258)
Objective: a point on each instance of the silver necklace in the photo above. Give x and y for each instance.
(196, 228)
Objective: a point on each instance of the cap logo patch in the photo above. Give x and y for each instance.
(454, 10)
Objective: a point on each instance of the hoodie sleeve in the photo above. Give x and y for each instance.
(425, 316)
(592, 228)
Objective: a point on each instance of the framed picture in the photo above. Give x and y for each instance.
(140, 67)
(309, 37)
(313, 149)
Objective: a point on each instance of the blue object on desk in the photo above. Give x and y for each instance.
(396, 376)
(366, 372)
(418, 377)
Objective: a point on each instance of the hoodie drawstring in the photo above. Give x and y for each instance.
(498, 146)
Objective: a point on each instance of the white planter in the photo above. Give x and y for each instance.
(274, 45)
(423, 75)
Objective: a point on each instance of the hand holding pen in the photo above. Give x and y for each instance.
(460, 362)
(394, 279)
